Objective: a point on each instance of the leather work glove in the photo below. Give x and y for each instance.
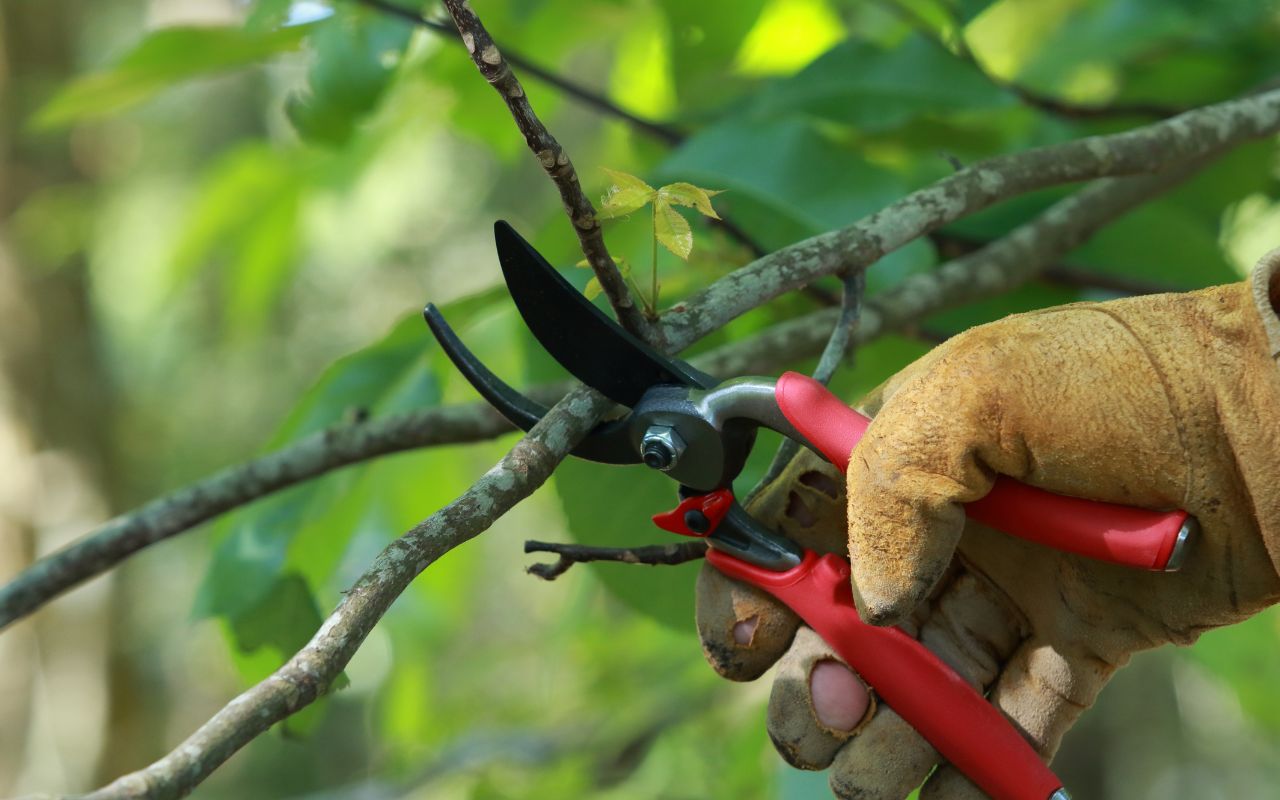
(1166, 401)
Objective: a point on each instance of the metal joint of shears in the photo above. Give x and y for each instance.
(700, 431)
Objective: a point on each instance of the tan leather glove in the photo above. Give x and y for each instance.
(1168, 401)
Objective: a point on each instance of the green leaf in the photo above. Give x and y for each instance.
(790, 180)
(611, 506)
(876, 89)
(627, 194)
(245, 222)
(164, 59)
(593, 289)
(672, 230)
(255, 554)
(356, 56)
(1246, 656)
(686, 194)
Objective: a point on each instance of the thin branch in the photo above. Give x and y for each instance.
(555, 162)
(594, 100)
(835, 351)
(235, 486)
(651, 555)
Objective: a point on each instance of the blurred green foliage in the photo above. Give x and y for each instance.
(242, 232)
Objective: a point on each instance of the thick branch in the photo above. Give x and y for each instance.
(310, 673)
(651, 555)
(1190, 137)
(554, 160)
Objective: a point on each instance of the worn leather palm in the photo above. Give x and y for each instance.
(1167, 401)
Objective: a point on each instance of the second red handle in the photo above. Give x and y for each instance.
(1134, 537)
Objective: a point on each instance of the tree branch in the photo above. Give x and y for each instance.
(838, 345)
(651, 555)
(310, 673)
(555, 162)
(311, 457)
(1190, 137)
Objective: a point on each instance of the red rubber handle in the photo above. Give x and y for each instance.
(965, 729)
(1125, 535)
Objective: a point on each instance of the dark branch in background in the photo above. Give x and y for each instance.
(957, 46)
(555, 162)
(950, 245)
(593, 100)
(651, 555)
(664, 133)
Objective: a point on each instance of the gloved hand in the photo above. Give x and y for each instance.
(1168, 401)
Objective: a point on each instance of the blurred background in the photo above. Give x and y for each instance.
(219, 221)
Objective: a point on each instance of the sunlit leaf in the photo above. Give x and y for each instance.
(593, 289)
(686, 194)
(627, 194)
(163, 59)
(672, 229)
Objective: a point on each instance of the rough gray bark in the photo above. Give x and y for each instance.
(1199, 134)
(555, 162)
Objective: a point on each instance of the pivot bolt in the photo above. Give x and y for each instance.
(661, 447)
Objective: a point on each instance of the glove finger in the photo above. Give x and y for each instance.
(743, 629)
(1044, 691)
(906, 481)
(885, 761)
(972, 627)
(817, 703)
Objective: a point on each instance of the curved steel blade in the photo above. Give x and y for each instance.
(594, 348)
(607, 443)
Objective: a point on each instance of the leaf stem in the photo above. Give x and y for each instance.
(653, 267)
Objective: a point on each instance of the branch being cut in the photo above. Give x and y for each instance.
(650, 555)
(555, 162)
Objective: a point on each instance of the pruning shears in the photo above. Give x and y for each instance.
(699, 431)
